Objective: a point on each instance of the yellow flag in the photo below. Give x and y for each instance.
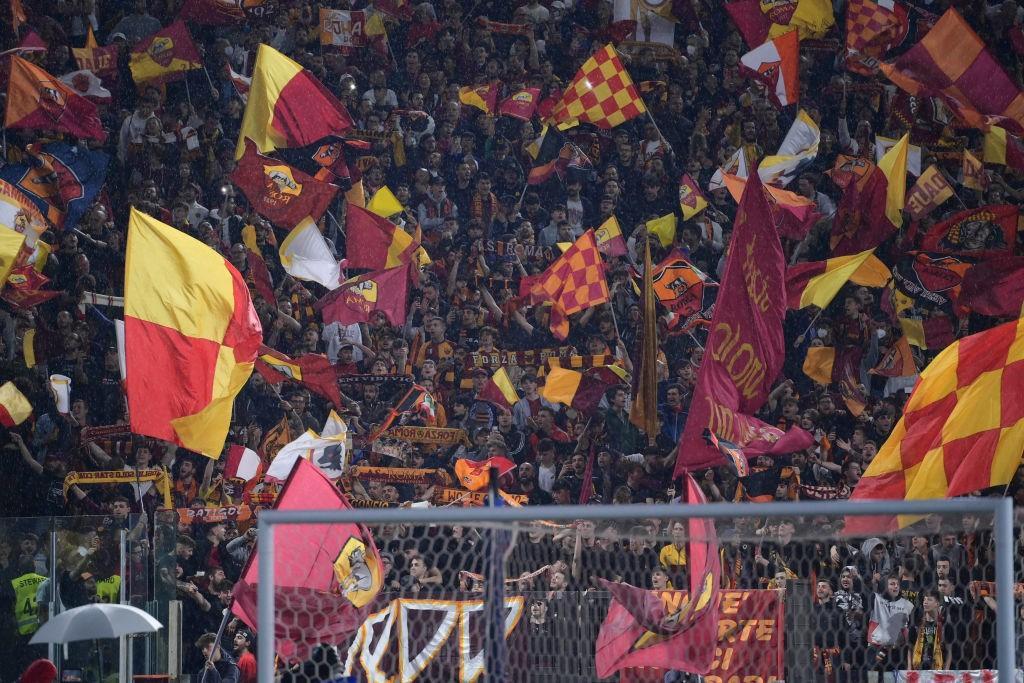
(664, 228)
(10, 246)
(355, 195)
(894, 166)
(384, 203)
(974, 173)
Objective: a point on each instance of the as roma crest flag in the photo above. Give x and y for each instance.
(288, 106)
(667, 629)
(745, 349)
(280, 193)
(38, 101)
(191, 336)
(861, 222)
(167, 52)
(691, 200)
(325, 575)
(985, 231)
(359, 297)
(776, 64)
(311, 370)
(521, 104)
(687, 293)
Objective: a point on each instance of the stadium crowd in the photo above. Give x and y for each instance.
(882, 604)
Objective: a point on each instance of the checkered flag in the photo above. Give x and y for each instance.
(602, 93)
(872, 29)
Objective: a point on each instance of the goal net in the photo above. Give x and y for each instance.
(752, 599)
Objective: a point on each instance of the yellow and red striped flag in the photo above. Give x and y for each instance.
(1003, 148)
(483, 97)
(288, 106)
(191, 336)
(962, 429)
(601, 93)
(499, 390)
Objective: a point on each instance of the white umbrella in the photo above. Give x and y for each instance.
(95, 622)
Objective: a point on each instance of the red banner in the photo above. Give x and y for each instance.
(750, 641)
(745, 351)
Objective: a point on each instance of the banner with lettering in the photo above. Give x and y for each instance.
(210, 515)
(342, 28)
(400, 475)
(930, 191)
(750, 641)
(161, 480)
(745, 347)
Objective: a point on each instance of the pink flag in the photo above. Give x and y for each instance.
(745, 349)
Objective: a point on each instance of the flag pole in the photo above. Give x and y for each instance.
(695, 341)
(188, 96)
(208, 80)
(216, 643)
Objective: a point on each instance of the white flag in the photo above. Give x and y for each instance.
(305, 255)
(327, 450)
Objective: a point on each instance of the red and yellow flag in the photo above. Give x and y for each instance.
(167, 52)
(601, 93)
(288, 106)
(37, 100)
(282, 194)
(818, 282)
(1003, 148)
(483, 97)
(191, 336)
(499, 390)
(575, 281)
(14, 407)
(928, 193)
(376, 243)
(962, 429)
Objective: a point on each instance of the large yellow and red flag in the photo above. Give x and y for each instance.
(601, 93)
(167, 52)
(962, 429)
(818, 282)
(575, 281)
(288, 106)
(191, 336)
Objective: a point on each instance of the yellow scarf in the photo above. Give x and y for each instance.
(937, 662)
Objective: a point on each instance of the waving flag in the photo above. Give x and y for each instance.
(164, 54)
(311, 370)
(672, 630)
(306, 255)
(601, 93)
(359, 297)
(582, 390)
(88, 85)
(985, 231)
(872, 29)
(838, 366)
(574, 282)
(521, 104)
(191, 336)
(38, 101)
(25, 288)
(328, 450)
(499, 391)
(282, 194)
(212, 12)
(687, 293)
(746, 349)
(759, 22)
(928, 193)
(691, 200)
(969, 80)
(609, 238)
(288, 106)
(777, 65)
(325, 575)
(14, 407)
(794, 214)
(1004, 148)
(798, 150)
(995, 287)
(483, 97)
(375, 242)
(18, 213)
(962, 429)
(81, 173)
(894, 166)
(897, 361)
(10, 248)
(861, 222)
(100, 60)
(817, 283)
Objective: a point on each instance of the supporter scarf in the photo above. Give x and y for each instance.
(503, 27)
(158, 477)
(447, 496)
(915, 661)
(112, 432)
(438, 436)
(366, 503)
(399, 475)
(209, 515)
(822, 657)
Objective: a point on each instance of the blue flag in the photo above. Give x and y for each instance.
(80, 175)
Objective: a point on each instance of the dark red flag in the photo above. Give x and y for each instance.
(667, 629)
(282, 194)
(860, 217)
(994, 287)
(359, 297)
(212, 12)
(311, 370)
(985, 231)
(745, 349)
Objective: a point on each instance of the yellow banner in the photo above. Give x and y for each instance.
(159, 478)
